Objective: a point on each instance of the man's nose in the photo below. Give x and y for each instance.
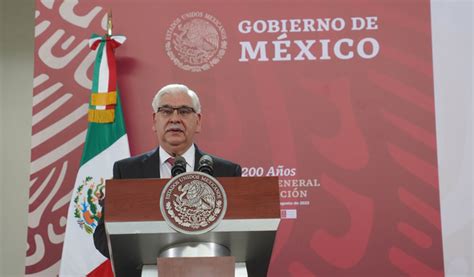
(175, 116)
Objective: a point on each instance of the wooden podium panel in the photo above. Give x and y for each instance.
(196, 266)
(139, 199)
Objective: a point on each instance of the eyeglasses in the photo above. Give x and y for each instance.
(183, 111)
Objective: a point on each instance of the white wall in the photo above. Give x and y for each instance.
(1, 134)
(453, 54)
(16, 88)
(452, 61)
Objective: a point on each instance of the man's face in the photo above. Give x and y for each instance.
(176, 131)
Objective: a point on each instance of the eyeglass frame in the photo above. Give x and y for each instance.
(177, 109)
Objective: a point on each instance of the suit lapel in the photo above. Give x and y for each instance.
(152, 165)
(197, 156)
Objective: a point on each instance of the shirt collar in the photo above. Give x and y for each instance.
(189, 156)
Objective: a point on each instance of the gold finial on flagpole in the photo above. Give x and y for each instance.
(109, 23)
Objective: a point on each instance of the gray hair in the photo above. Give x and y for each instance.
(176, 88)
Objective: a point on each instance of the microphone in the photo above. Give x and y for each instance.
(206, 165)
(179, 166)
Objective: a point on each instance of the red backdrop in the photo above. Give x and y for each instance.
(352, 139)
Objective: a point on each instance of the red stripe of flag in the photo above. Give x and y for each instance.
(111, 64)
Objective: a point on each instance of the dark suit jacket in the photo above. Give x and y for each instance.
(148, 166)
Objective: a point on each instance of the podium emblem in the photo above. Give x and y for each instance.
(193, 203)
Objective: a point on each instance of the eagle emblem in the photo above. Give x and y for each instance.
(193, 203)
(87, 210)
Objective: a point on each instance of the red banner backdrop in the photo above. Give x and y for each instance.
(335, 97)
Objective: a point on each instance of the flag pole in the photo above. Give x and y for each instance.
(109, 23)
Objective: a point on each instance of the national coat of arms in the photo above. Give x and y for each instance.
(193, 203)
(196, 41)
(87, 210)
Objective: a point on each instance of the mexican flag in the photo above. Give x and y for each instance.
(106, 142)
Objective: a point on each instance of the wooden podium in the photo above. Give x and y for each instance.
(137, 233)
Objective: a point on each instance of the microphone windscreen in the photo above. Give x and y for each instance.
(179, 160)
(179, 166)
(206, 165)
(206, 160)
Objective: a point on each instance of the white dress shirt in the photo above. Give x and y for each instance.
(165, 167)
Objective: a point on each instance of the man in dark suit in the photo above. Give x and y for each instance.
(176, 120)
(146, 165)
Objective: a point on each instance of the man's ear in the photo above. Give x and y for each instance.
(198, 126)
(154, 121)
